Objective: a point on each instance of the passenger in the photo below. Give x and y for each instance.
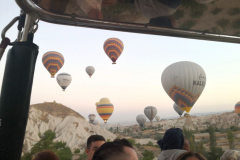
(93, 143)
(191, 156)
(116, 150)
(157, 11)
(45, 155)
(231, 155)
(173, 144)
(204, 1)
(92, 8)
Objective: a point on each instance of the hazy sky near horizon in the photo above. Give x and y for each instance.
(135, 81)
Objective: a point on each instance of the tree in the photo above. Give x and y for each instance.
(201, 149)
(147, 155)
(212, 136)
(48, 135)
(77, 151)
(215, 152)
(158, 136)
(149, 143)
(138, 145)
(46, 143)
(230, 139)
(132, 141)
(234, 128)
(110, 129)
(83, 156)
(64, 153)
(190, 137)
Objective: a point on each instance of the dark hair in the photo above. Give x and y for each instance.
(45, 155)
(94, 138)
(186, 155)
(112, 150)
(173, 139)
(161, 22)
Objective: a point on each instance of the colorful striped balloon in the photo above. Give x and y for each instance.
(104, 109)
(53, 62)
(237, 108)
(113, 48)
(91, 118)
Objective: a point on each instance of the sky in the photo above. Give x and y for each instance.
(135, 81)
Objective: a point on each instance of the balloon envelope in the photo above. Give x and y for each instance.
(104, 109)
(113, 48)
(157, 118)
(150, 112)
(64, 79)
(91, 117)
(178, 109)
(141, 119)
(95, 122)
(184, 83)
(53, 62)
(237, 108)
(90, 70)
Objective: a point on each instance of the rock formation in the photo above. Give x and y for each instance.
(69, 126)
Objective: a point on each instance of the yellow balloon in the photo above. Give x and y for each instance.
(104, 108)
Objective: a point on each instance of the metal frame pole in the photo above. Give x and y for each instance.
(29, 22)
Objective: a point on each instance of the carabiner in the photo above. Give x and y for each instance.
(9, 26)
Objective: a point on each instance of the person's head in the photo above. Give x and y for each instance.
(108, 3)
(191, 156)
(93, 143)
(231, 155)
(119, 149)
(173, 139)
(45, 155)
(165, 22)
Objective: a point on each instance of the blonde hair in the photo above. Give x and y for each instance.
(186, 155)
(231, 155)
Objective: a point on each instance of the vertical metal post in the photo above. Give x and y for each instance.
(16, 93)
(30, 18)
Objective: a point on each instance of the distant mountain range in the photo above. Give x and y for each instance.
(129, 123)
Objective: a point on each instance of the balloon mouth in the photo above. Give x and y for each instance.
(187, 109)
(90, 76)
(63, 90)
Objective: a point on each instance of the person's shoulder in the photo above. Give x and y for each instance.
(177, 153)
(171, 154)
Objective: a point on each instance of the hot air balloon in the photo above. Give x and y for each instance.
(104, 109)
(113, 48)
(95, 122)
(237, 108)
(141, 119)
(157, 118)
(64, 79)
(150, 112)
(91, 118)
(178, 109)
(53, 62)
(184, 83)
(90, 70)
